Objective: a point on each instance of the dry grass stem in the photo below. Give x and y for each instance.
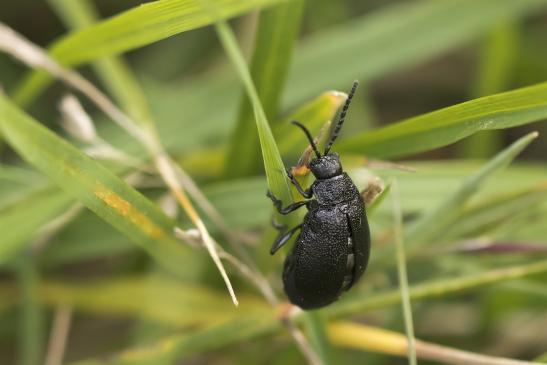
(58, 336)
(34, 56)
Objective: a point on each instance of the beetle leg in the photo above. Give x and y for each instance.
(289, 208)
(305, 193)
(283, 238)
(278, 226)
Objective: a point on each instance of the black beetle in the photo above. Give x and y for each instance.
(332, 249)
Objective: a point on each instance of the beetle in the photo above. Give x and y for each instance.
(332, 250)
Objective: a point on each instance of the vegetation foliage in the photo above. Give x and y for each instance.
(102, 257)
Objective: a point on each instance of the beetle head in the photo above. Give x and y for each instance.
(326, 166)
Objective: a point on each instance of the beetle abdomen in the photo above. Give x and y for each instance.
(316, 269)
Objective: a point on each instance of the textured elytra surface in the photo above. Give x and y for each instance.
(315, 269)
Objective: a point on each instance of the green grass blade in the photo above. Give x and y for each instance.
(440, 288)
(496, 61)
(542, 359)
(314, 325)
(402, 272)
(113, 72)
(97, 188)
(494, 214)
(393, 38)
(313, 114)
(31, 326)
(273, 164)
(276, 34)
(435, 220)
(451, 124)
(134, 28)
(46, 204)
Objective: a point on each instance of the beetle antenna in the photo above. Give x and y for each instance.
(310, 138)
(342, 117)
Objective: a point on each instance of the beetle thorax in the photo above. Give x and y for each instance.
(326, 166)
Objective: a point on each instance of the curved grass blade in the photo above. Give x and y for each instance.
(136, 27)
(276, 34)
(97, 188)
(448, 125)
(494, 214)
(273, 164)
(421, 232)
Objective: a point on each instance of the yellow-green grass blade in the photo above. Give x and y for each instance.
(448, 125)
(133, 28)
(542, 359)
(156, 297)
(97, 188)
(313, 114)
(248, 327)
(276, 34)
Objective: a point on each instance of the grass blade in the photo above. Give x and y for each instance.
(46, 204)
(243, 328)
(315, 328)
(367, 338)
(402, 271)
(97, 188)
(497, 58)
(276, 34)
(435, 220)
(156, 297)
(134, 28)
(313, 114)
(435, 289)
(275, 170)
(448, 125)
(30, 312)
(113, 72)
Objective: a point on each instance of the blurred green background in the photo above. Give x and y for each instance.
(475, 229)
